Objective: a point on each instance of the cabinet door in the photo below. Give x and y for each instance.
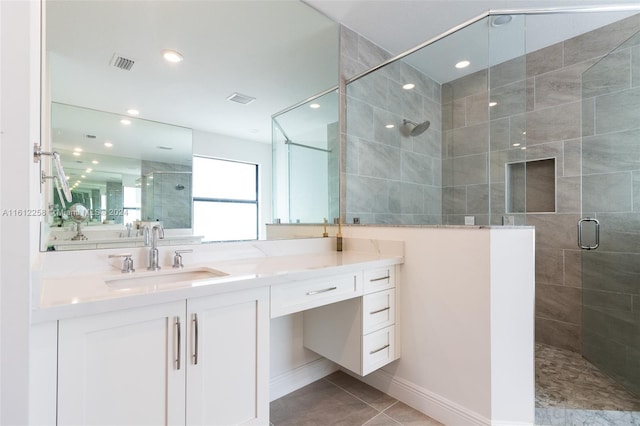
(120, 368)
(228, 372)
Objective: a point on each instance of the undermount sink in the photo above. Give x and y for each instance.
(163, 277)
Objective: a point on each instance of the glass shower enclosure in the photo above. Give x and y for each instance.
(306, 155)
(611, 213)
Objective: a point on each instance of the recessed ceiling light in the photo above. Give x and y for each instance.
(76, 154)
(463, 64)
(108, 144)
(492, 104)
(83, 176)
(95, 162)
(408, 86)
(77, 149)
(524, 147)
(89, 170)
(390, 126)
(524, 133)
(516, 144)
(172, 56)
(133, 111)
(314, 106)
(125, 121)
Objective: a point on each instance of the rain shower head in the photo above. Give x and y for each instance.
(409, 128)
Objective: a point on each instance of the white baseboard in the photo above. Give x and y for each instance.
(436, 406)
(297, 378)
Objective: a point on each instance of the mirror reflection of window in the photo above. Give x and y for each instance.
(225, 199)
(132, 203)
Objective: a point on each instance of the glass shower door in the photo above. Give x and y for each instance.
(611, 198)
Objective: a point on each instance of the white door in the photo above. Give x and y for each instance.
(120, 368)
(228, 373)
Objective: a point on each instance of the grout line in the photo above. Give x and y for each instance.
(360, 399)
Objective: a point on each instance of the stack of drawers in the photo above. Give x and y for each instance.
(360, 333)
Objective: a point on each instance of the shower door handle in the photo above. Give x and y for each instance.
(597, 233)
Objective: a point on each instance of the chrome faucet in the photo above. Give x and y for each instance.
(156, 232)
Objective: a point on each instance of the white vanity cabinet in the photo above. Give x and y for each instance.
(199, 362)
(359, 334)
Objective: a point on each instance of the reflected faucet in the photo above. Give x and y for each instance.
(156, 232)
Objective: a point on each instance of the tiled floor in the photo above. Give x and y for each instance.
(565, 379)
(339, 399)
(569, 391)
(572, 391)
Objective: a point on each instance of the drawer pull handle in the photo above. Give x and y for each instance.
(179, 343)
(311, 293)
(194, 357)
(379, 279)
(378, 350)
(380, 310)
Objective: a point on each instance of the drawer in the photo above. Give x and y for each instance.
(379, 279)
(378, 349)
(301, 295)
(378, 310)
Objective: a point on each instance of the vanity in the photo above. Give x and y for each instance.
(192, 345)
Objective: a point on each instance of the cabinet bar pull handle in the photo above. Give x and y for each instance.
(311, 293)
(378, 350)
(379, 279)
(194, 320)
(380, 310)
(179, 338)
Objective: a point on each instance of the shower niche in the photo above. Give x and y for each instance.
(531, 186)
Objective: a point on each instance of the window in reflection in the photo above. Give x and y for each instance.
(225, 199)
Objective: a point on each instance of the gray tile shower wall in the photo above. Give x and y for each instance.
(390, 178)
(542, 106)
(574, 101)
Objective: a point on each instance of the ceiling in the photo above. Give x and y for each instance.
(279, 51)
(408, 23)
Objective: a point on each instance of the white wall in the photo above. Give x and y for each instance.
(467, 321)
(19, 192)
(229, 148)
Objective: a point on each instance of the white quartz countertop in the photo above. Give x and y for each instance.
(82, 294)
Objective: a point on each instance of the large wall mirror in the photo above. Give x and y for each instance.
(127, 121)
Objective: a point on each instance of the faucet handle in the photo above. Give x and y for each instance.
(177, 259)
(127, 263)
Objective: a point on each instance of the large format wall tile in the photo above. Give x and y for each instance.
(573, 268)
(615, 272)
(559, 87)
(560, 303)
(557, 333)
(618, 111)
(554, 124)
(610, 74)
(544, 60)
(555, 231)
(608, 192)
(611, 153)
(469, 140)
(469, 170)
(600, 41)
(549, 266)
(508, 72)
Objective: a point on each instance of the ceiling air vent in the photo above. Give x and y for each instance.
(121, 62)
(240, 98)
